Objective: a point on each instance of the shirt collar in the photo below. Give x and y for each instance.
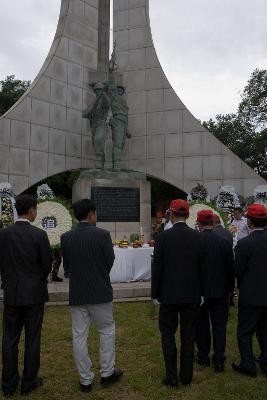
(22, 220)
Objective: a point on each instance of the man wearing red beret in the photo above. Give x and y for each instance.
(251, 273)
(218, 283)
(176, 284)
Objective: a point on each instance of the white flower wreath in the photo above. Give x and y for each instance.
(53, 218)
(193, 210)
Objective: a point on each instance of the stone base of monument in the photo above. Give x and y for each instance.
(123, 201)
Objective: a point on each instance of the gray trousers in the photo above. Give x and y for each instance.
(102, 317)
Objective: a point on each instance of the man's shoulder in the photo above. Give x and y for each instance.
(26, 226)
(246, 241)
(182, 230)
(101, 231)
(67, 233)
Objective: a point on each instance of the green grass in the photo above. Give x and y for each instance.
(138, 353)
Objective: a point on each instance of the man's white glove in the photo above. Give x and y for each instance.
(201, 301)
(156, 302)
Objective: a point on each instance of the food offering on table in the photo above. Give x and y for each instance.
(137, 243)
(123, 244)
(151, 243)
(134, 237)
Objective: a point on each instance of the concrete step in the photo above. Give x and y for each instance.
(132, 291)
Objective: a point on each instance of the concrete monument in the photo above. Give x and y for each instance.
(44, 133)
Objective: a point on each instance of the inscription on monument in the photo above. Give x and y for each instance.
(116, 204)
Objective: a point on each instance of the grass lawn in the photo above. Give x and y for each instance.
(138, 353)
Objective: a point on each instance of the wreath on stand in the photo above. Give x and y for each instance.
(55, 216)
(8, 213)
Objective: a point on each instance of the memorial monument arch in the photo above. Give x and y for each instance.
(44, 133)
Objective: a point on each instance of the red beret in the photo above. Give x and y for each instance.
(256, 211)
(179, 205)
(205, 215)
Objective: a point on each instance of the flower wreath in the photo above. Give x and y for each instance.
(195, 206)
(55, 217)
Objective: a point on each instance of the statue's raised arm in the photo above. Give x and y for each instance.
(112, 68)
(112, 62)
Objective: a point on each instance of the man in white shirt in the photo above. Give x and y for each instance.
(168, 222)
(240, 222)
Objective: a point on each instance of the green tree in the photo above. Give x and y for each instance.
(11, 89)
(245, 132)
(253, 107)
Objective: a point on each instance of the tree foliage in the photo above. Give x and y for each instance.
(245, 132)
(11, 89)
(253, 107)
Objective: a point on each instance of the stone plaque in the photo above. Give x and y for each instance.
(116, 204)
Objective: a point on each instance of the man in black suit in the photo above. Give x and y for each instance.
(251, 273)
(176, 284)
(218, 284)
(88, 257)
(25, 264)
(221, 231)
(226, 234)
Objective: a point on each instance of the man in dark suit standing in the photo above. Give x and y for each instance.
(221, 231)
(88, 257)
(218, 284)
(25, 264)
(176, 284)
(251, 273)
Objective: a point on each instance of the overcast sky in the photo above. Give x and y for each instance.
(208, 48)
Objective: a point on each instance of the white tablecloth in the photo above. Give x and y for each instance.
(131, 264)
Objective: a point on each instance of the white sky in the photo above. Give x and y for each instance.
(208, 48)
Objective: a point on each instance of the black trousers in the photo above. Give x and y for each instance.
(14, 319)
(168, 324)
(250, 320)
(214, 311)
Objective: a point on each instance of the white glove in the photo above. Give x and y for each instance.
(156, 302)
(201, 301)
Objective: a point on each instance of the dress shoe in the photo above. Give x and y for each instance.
(85, 388)
(244, 371)
(204, 362)
(115, 377)
(173, 383)
(38, 382)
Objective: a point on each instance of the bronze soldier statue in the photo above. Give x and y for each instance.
(110, 99)
(97, 113)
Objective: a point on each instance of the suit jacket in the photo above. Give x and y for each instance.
(25, 264)
(177, 266)
(88, 257)
(251, 269)
(218, 273)
(224, 233)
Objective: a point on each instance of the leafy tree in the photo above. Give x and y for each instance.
(11, 89)
(245, 133)
(253, 107)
